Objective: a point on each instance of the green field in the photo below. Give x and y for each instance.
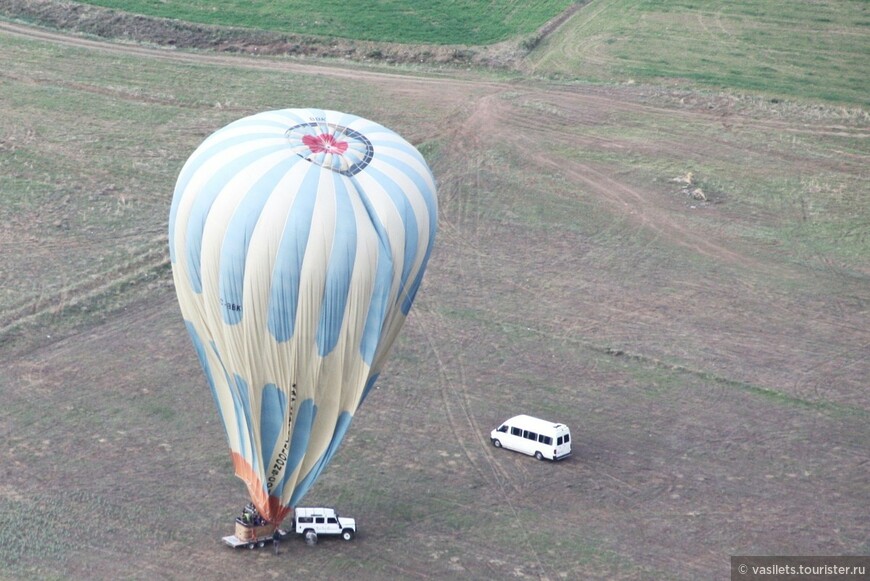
(817, 50)
(405, 21)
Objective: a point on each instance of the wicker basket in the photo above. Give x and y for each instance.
(250, 532)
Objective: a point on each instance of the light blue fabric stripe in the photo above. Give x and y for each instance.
(347, 120)
(205, 199)
(302, 487)
(303, 423)
(242, 411)
(378, 306)
(432, 208)
(210, 147)
(234, 250)
(273, 413)
(339, 269)
(244, 419)
(421, 180)
(284, 292)
(199, 346)
(428, 195)
(409, 219)
(384, 138)
(415, 285)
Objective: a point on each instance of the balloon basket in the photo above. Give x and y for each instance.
(245, 532)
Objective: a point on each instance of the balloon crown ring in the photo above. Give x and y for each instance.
(334, 147)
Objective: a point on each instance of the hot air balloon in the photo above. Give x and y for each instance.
(298, 240)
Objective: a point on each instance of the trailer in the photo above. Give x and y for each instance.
(253, 536)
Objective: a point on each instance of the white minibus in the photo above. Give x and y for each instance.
(533, 436)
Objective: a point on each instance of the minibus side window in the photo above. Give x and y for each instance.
(546, 440)
(516, 432)
(531, 436)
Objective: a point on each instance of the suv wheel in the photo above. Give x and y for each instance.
(310, 536)
(347, 534)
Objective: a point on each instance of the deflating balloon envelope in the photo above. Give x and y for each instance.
(298, 240)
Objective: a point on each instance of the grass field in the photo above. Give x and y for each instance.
(708, 351)
(407, 21)
(817, 50)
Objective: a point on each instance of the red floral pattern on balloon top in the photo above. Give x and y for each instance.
(324, 143)
(331, 146)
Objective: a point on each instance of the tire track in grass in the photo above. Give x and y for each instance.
(467, 138)
(453, 393)
(467, 141)
(498, 117)
(70, 296)
(151, 260)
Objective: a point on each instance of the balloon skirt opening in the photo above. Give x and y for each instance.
(269, 507)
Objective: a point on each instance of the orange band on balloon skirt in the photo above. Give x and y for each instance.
(269, 507)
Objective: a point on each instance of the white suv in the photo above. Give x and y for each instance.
(311, 522)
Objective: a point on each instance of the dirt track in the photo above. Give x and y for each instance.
(716, 387)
